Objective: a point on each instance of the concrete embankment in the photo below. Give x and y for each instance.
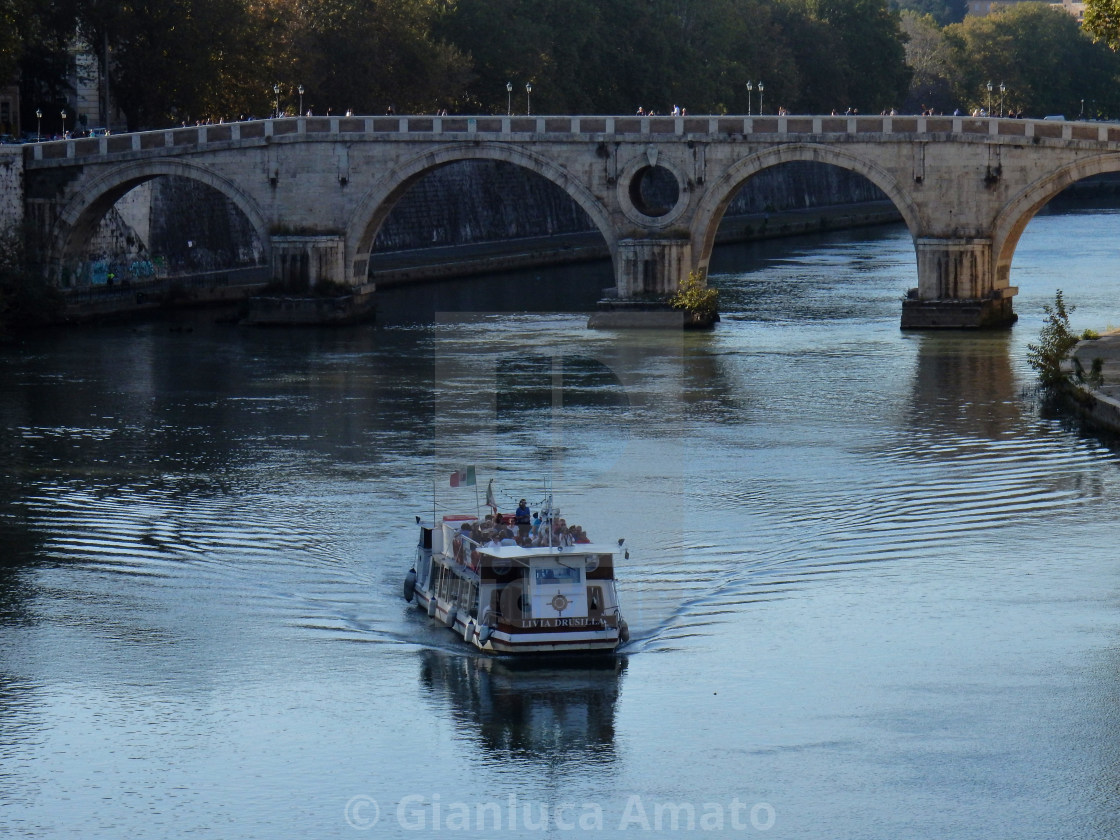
(1096, 399)
(438, 263)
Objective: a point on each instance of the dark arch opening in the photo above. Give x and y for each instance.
(163, 230)
(654, 191)
(486, 236)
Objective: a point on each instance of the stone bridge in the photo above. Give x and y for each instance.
(316, 189)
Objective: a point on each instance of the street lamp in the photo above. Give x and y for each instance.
(276, 91)
(300, 89)
(509, 99)
(1081, 116)
(528, 100)
(760, 90)
(64, 123)
(989, 86)
(1002, 91)
(750, 90)
(38, 125)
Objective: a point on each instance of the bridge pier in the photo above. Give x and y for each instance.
(956, 287)
(647, 268)
(303, 261)
(646, 271)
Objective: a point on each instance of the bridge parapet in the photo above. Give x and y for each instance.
(578, 129)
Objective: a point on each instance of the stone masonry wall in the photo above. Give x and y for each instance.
(11, 188)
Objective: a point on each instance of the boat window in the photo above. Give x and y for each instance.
(561, 575)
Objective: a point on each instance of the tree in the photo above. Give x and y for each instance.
(655, 53)
(1102, 21)
(928, 57)
(369, 55)
(1047, 63)
(862, 45)
(1055, 341)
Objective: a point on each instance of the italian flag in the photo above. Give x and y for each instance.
(463, 478)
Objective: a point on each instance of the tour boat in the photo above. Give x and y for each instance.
(512, 598)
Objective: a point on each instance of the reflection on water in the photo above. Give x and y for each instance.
(540, 711)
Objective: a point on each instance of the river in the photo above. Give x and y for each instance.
(873, 588)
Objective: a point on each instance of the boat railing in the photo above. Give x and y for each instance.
(464, 550)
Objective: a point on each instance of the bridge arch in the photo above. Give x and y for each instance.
(1014, 217)
(79, 218)
(719, 194)
(376, 205)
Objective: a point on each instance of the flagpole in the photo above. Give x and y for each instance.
(477, 509)
(433, 504)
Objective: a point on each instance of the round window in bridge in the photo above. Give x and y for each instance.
(654, 191)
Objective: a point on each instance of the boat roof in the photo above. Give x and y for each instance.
(512, 551)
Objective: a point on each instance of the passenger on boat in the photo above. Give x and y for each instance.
(535, 529)
(542, 536)
(522, 517)
(581, 537)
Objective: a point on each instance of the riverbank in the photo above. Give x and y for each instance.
(136, 300)
(397, 268)
(1097, 401)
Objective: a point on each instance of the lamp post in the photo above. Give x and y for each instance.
(64, 123)
(509, 99)
(1081, 116)
(300, 89)
(989, 86)
(38, 125)
(528, 99)
(750, 90)
(276, 93)
(761, 88)
(1002, 91)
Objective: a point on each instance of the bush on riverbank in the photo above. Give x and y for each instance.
(697, 298)
(1055, 341)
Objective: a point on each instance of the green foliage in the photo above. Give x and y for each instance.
(1040, 53)
(927, 55)
(173, 61)
(1102, 21)
(1090, 335)
(1054, 343)
(695, 296)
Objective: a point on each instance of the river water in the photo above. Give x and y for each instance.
(873, 588)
